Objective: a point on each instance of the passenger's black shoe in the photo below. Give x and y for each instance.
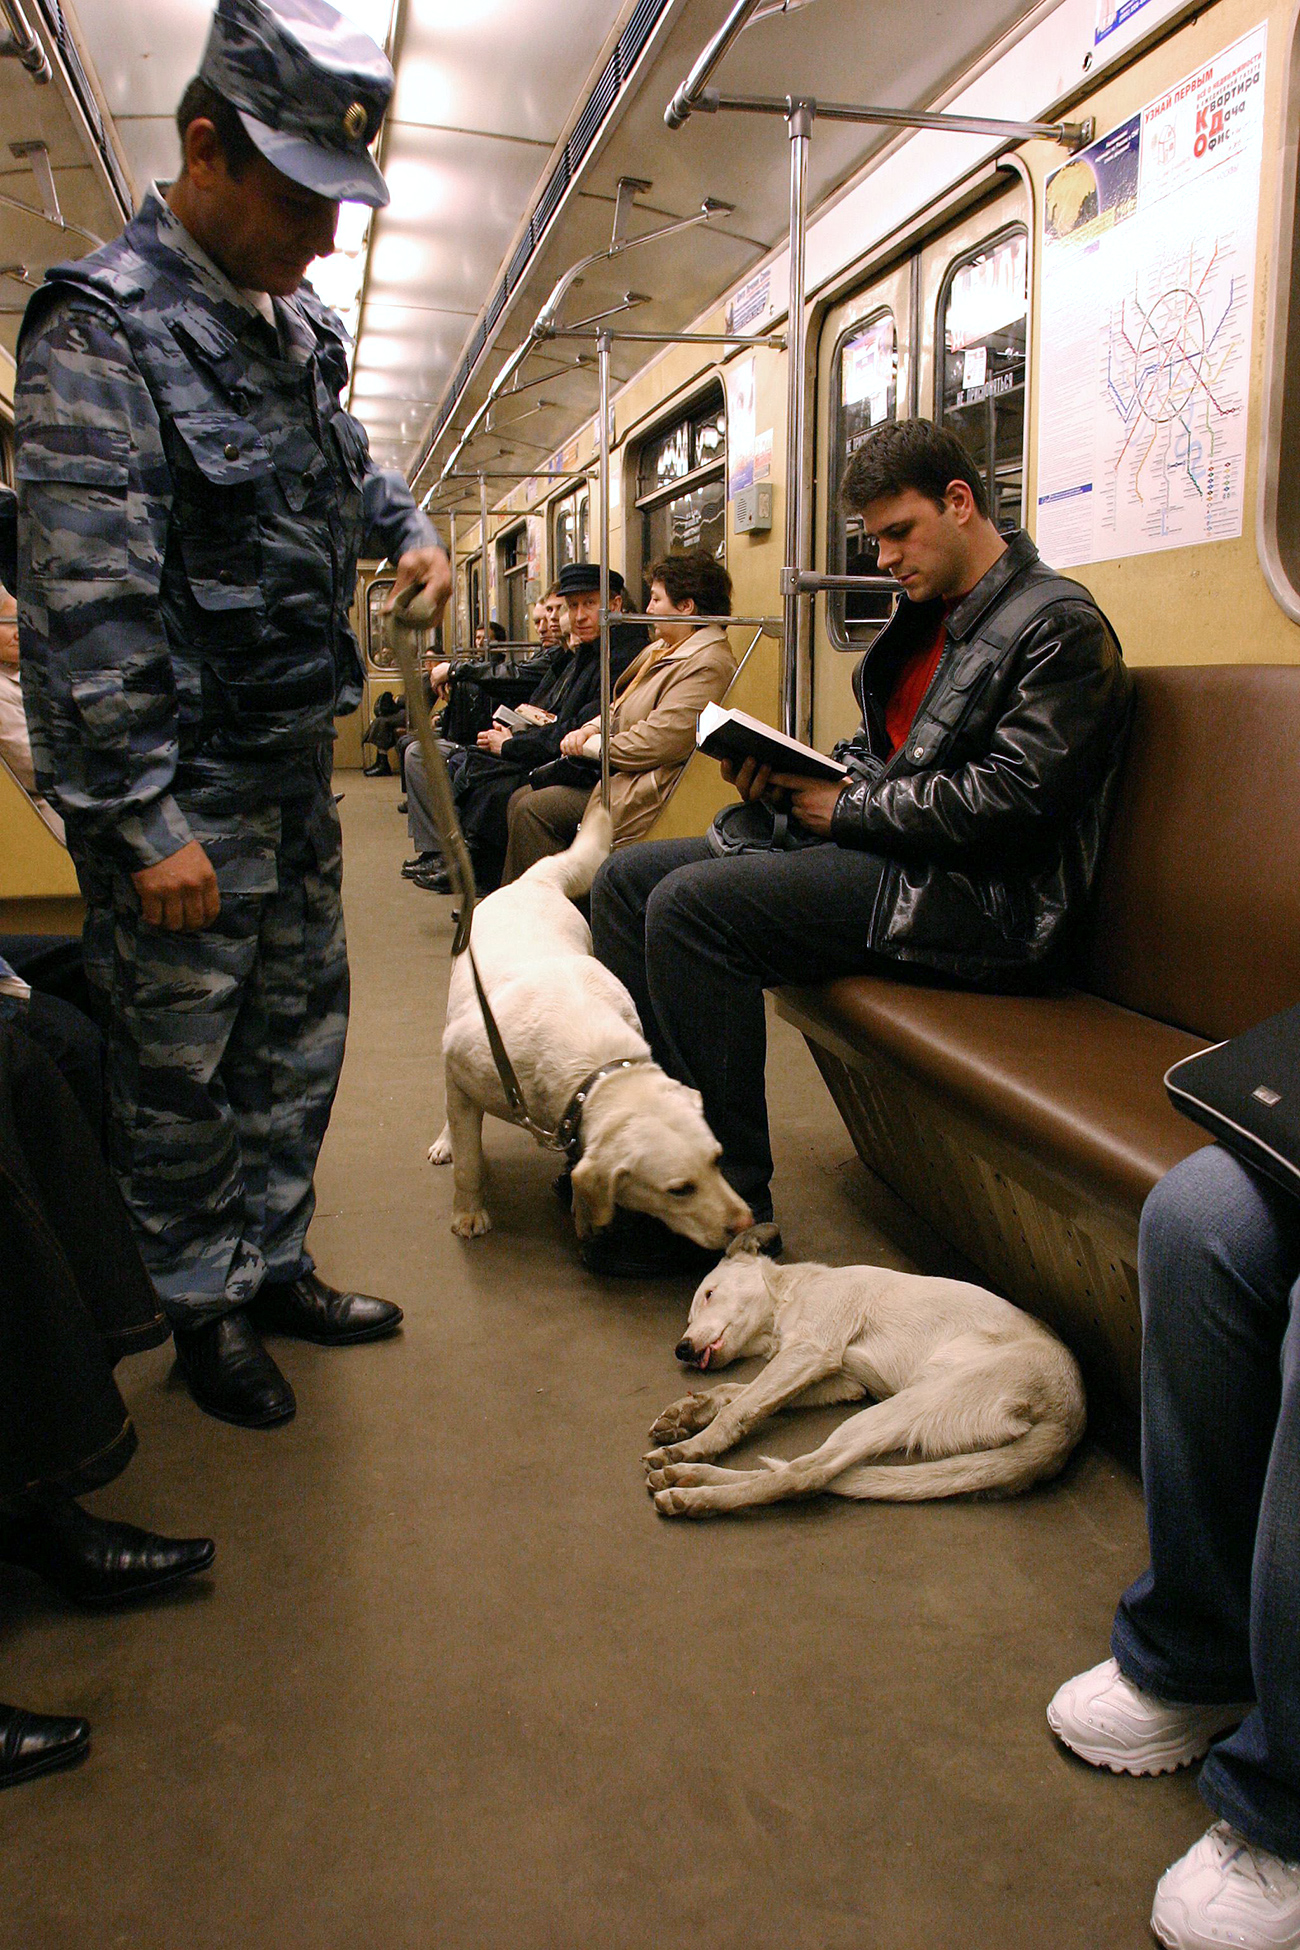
(638, 1247)
(37, 1743)
(312, 1311)
(231, 1375)
(381, 769)
(419, 863)
(436, 880)
(402, 805)
(93, 1560)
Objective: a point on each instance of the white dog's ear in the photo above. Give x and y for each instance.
(594, 1191)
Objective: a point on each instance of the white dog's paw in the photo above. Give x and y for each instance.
(685, 1417)
(440, 1149)
(470, 1225)
(684, 1503)
(678, 1476)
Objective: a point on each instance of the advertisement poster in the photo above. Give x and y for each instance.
(1148, 279)
(742, 426)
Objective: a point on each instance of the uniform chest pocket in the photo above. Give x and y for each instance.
(301, 470)
(74, 495)
(227, 461)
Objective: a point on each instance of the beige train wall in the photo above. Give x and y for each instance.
(1209, 603)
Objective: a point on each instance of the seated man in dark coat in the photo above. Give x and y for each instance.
(962, 845)
(570, 694)
(74, 1298)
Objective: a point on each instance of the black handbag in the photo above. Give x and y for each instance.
(581, 772)
(1246, 1093)
(755, 827)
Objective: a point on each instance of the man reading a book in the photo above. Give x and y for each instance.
(960, 846)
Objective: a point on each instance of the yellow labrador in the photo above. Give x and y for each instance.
(564, 1017)
(983, 1392)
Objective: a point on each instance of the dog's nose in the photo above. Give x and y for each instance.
(741, 1224)
(684, 1351)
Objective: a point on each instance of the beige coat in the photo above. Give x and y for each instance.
(652, 724)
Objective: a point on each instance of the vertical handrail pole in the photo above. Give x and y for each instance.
(483, 595)
(455, 593)
(602, 354)
(800, 126)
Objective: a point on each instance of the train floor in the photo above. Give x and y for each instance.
(452, 1683)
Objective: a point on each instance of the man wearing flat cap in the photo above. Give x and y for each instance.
(569, 693)
(192, 502)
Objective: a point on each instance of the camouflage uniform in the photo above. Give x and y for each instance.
(192, 502)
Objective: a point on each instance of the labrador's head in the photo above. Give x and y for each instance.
(647, 1147)
(733, 1312)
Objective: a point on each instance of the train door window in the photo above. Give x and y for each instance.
(512, 581)
(865, 396)
(980, 373)
(474, 571)
(681, 483)
(570, 529)
(378, 655)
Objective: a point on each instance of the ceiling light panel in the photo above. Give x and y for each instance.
(501, 67)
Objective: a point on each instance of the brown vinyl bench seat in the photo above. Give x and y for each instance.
(1030, 1128)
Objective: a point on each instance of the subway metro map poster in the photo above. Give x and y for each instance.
(1148, 279)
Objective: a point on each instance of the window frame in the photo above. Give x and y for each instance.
(710, 398)
(837, 627)
(576, 494)
(972, 251)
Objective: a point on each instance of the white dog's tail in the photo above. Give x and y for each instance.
(572, 873)
(1040, 1452)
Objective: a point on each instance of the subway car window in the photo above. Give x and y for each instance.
(681, 484)
(983, 332)
(866, 395)
(570, 529)
(512, 580)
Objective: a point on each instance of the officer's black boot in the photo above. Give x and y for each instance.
(231, 1375)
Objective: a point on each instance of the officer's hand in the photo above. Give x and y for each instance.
(430, 567)
(180, 892)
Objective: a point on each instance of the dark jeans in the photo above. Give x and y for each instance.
(57, 1015)
(1215, 1617)
(696, 940)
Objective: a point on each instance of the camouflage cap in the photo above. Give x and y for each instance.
(310, 89)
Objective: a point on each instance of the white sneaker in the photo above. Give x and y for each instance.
(1225, 1894)
(1106, 1719)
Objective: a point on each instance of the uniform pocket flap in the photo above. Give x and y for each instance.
(227, 452)
(80, 456)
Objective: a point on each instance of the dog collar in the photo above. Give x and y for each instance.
(568, 1134)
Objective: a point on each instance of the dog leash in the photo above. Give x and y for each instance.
(409, 614)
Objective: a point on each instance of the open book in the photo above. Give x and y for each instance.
(737, 736)
(511, 720)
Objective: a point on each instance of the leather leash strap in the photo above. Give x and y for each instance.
(408, 616)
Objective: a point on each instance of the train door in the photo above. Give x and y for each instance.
(512, 582)
(945, 335)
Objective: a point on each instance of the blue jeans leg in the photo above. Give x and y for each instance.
(1214, 1617)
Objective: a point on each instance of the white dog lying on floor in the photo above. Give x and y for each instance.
(563, 1017)
(984, 1392)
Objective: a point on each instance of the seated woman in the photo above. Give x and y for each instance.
(652, 724)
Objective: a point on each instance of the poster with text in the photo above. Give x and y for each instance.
(1148, 279)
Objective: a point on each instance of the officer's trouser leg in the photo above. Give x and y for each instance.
(224, 1051)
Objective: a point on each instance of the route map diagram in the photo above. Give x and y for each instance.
(1174, 362)
(1147, 316)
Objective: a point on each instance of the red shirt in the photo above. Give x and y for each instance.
(912, 683)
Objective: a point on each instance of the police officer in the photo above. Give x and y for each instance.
(192, 502)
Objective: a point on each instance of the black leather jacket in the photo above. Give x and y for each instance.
(575, 697)
(992, 814)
